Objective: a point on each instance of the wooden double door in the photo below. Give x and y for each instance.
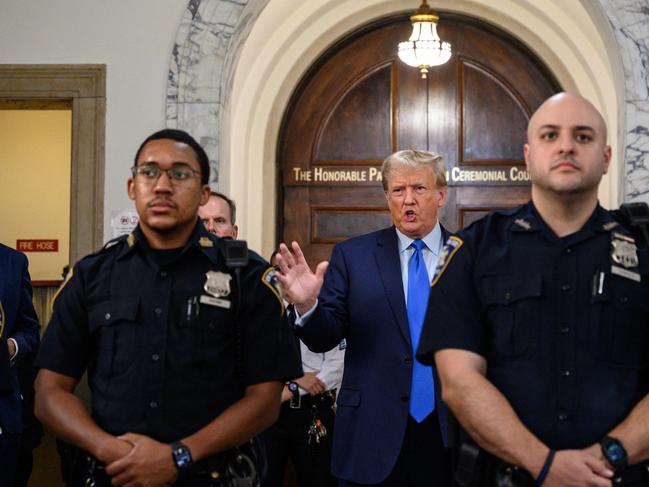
(359, 103)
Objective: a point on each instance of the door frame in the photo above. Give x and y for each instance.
(84, 86)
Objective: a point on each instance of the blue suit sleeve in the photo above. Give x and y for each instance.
(327, 326)
(26, 331)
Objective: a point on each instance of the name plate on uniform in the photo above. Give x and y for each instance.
(218, 302)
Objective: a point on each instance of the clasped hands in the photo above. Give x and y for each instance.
(134, 460)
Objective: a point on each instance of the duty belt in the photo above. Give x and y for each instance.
(90, 472)
(327, 398)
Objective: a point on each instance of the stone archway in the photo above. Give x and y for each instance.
(266, 46)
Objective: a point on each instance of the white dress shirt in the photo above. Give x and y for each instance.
(330, 364)
(431, 251)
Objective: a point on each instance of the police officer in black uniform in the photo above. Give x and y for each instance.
(186, 358)
(538, 322)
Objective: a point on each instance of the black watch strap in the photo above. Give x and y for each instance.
(182, 457)
(614, 453)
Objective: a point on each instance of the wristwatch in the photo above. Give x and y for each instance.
(614, 453)
(296, 399)
(182, 457)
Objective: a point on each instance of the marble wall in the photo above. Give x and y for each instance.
(630, 22)
(210, 37)
(212, 33)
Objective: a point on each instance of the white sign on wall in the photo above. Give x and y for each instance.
(122, 222)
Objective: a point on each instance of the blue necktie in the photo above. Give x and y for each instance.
(422, 390)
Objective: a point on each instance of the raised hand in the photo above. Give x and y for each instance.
(300, 285)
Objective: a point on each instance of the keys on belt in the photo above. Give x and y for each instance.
(316, 430)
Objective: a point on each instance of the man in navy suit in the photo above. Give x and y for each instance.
(19, 338)
(390, 424)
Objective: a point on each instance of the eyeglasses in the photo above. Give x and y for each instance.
(177, 174)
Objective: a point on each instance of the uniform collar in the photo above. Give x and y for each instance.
(200, 238)
(433, 240)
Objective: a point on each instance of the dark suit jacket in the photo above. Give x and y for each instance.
(362, 301)
(21, 324)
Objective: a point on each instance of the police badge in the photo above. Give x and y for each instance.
(217, 284)
(624, 254)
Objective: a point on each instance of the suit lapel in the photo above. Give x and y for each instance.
(387, 260)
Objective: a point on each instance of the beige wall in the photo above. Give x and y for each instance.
(35, 184)
(134, 39)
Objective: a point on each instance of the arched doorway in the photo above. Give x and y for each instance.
(358, 103)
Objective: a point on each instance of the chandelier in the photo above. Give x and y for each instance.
(424, 48)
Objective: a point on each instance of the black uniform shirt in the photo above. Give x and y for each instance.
(565, 337)
(160, 361)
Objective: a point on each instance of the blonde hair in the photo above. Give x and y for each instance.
(414, 159)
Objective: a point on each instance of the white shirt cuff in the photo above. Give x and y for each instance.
(301, 320)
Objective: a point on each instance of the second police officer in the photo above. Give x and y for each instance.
(538, 322)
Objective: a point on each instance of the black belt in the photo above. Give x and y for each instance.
(327, 398)
(90, 471)
(634, 475)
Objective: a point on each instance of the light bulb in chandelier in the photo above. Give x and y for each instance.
(424, 49)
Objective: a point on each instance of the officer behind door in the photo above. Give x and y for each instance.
(304, 429)
(539, 322)
(152, 318)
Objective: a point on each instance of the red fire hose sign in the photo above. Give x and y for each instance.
(37, 245)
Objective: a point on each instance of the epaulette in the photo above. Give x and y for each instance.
(110, 245)
(114, 241)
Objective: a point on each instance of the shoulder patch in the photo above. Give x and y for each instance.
(269, 278)
(63, 284)
(452, 245)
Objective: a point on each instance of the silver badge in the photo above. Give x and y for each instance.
(624, 251)
(217, 284)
